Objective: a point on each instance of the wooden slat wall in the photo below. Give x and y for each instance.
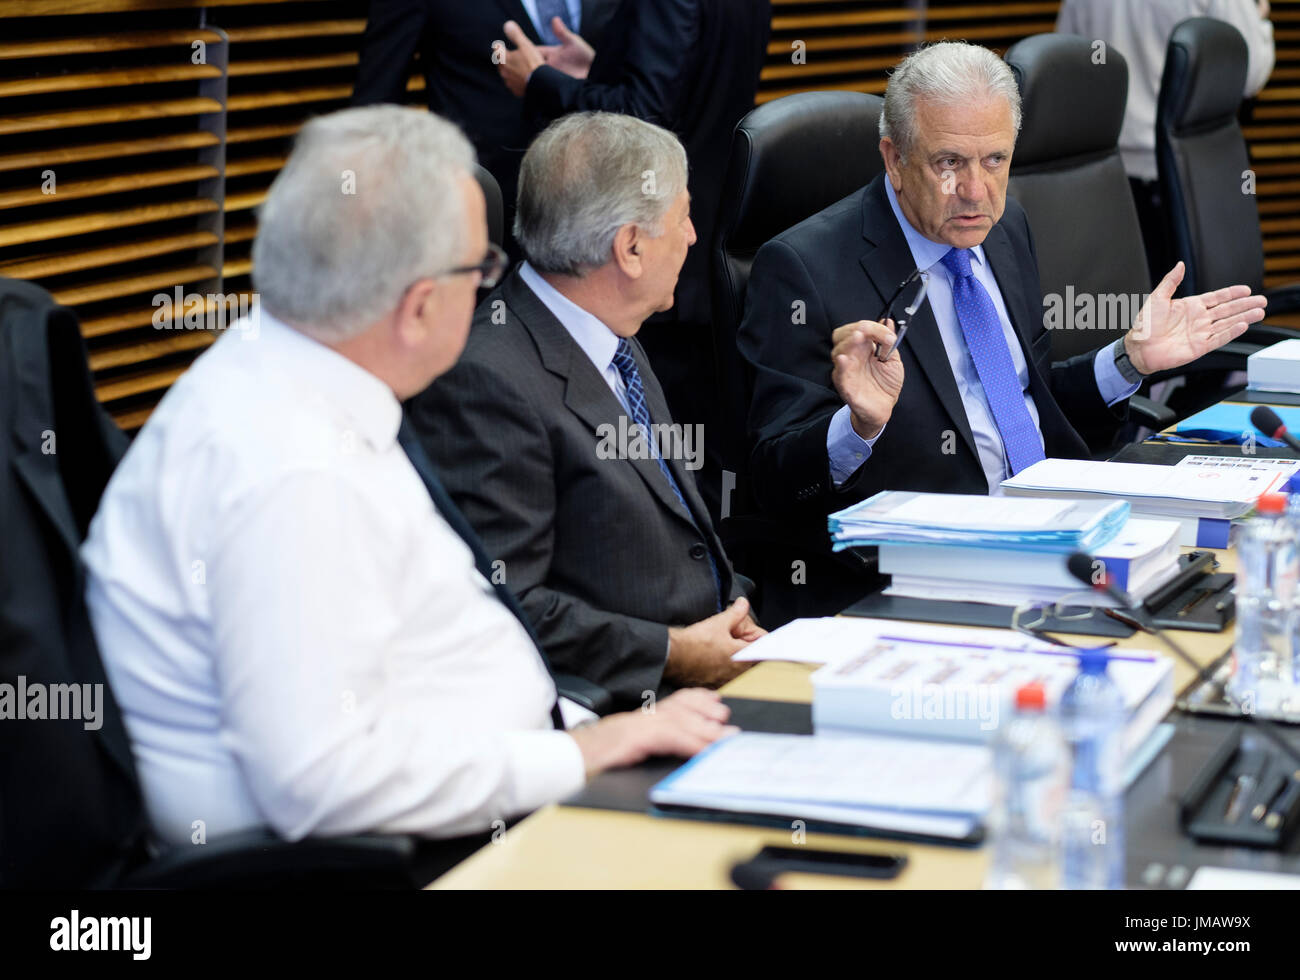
(110, 100)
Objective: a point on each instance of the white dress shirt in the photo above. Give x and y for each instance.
(294, 634)
(1140, 30)
(847, 450)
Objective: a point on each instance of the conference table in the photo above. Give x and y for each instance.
(606, 838)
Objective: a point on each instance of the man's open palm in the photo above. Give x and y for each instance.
(1169, 333)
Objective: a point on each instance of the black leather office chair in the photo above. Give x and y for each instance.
(1202, 159)
(1068, 175)
(790, 158)
(72, 813)
(495, 209)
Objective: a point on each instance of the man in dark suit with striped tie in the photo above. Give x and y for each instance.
(553, 436)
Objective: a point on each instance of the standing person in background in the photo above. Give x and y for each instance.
(690, 66)
(455, 41)
(1140, 30)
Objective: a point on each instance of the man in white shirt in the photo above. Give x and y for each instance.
(1140, 31)
(296, 635)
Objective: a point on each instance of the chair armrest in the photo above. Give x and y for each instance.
(1151, 413)
(1283, 299)
(587, 693)
(1267, 334)
(258, 858)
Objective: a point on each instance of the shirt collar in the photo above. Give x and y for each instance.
(365, 402)
(925, 253)
(597, 341)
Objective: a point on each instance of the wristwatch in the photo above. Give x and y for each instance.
(1125, 365)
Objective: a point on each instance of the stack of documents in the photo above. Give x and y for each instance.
(1058, 527)
(919, 680)
(1205, 493)
(902, 785)
(1139, 560)
(1230, 423)
(1275, 368)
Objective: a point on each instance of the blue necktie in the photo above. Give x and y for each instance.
(988, 349)
(410, 444)
(546, 9)
(626, 364)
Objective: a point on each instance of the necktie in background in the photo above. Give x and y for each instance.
(410, 444)
(988, 348)
(626, 364)
(546, 9)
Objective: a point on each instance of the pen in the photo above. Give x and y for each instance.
(1282, 808)
(1252, 766)
(1276, 783)
(1054, 652)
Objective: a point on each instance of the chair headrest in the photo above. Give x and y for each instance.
(770, 154)
(1205, 73)
(492, 200)
(1072, 96)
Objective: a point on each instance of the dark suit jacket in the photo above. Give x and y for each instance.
(843, 264)
(687, 65)
(599, 551)
(70, 809)
(461, 82)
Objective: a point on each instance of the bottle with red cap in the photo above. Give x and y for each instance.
(1266, 651)
(1031, 771)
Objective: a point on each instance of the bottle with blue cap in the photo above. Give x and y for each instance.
(1093, 720)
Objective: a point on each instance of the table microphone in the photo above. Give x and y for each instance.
(1082, 566)
(1270, 423)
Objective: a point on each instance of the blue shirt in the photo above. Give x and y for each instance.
(575, 15)
(847, 450)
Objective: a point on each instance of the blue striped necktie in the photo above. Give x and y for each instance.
(987, 343)
(626, 364)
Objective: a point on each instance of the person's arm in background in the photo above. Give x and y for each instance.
(650, 82)
(1251, 18)
(393, 31)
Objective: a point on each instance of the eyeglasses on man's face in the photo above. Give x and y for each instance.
(491, 268)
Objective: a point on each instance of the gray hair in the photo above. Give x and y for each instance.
(368, 203)
(950, 73)
(585, 177)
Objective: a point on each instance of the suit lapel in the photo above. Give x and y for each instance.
(1002, 260)
(586, 394)
(514, 10)
(889, 262)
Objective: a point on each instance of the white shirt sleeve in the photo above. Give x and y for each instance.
(304, 654)
(1258, 32)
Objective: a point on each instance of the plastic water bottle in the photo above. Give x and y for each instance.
(1093, 721)
(1031, 768)
(1265, 651)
